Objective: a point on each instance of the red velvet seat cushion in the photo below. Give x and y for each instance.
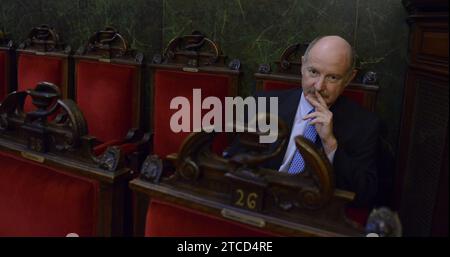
(36, 200)
(170, 84)
(104, 93)
(165, 219)
(269, 85)
(32, 69)
(3, 85)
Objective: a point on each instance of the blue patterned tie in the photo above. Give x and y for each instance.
(298, 164)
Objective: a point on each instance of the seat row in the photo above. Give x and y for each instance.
(74, 159)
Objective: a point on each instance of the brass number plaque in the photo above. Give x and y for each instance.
(247, 199)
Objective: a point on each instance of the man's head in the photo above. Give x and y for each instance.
(327, 67)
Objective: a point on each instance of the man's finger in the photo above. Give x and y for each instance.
(314, 102)
(321, 100)
(313, 115)
(317, 120)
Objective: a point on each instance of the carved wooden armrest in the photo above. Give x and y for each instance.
(40, 131)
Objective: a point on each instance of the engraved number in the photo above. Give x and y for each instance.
(250, 199)
(240, 200)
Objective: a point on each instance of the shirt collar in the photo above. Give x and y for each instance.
(305, 106)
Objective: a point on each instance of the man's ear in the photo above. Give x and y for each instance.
(303, 59)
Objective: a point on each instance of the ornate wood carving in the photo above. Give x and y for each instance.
(109, 46)
(290, 60)
(56, 127)
(152, 169)
(44, 39)
(194, 51)
(238, 186)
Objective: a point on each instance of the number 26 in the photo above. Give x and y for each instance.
(250, 199)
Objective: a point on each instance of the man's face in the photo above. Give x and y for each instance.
(325, 73)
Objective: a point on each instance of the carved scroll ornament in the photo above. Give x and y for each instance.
(54, 126)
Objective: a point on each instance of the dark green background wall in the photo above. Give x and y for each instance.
(254, 31)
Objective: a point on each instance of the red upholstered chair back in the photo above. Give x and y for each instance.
(178, 74)
(181, 70)
(169, 84)
(41, 57)
(107, 86)
(51, 184)
(5, 65)
(38, 200)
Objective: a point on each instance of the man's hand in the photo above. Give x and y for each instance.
(322, 119)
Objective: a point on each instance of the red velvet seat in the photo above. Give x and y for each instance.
(169, 84)
(100, 87)
(179, 221)
(164, 219)
(178, 75)
(33, 69)
(107, 88)
(37, 62)
(38, 200)
(51, 184)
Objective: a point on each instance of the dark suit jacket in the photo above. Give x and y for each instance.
(356, 131)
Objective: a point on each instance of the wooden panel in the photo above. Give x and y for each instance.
(435, 43)
(430, 46)
(422, 165)
(428, 132)
(440, 218)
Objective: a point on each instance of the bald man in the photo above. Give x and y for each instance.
(346, 132)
